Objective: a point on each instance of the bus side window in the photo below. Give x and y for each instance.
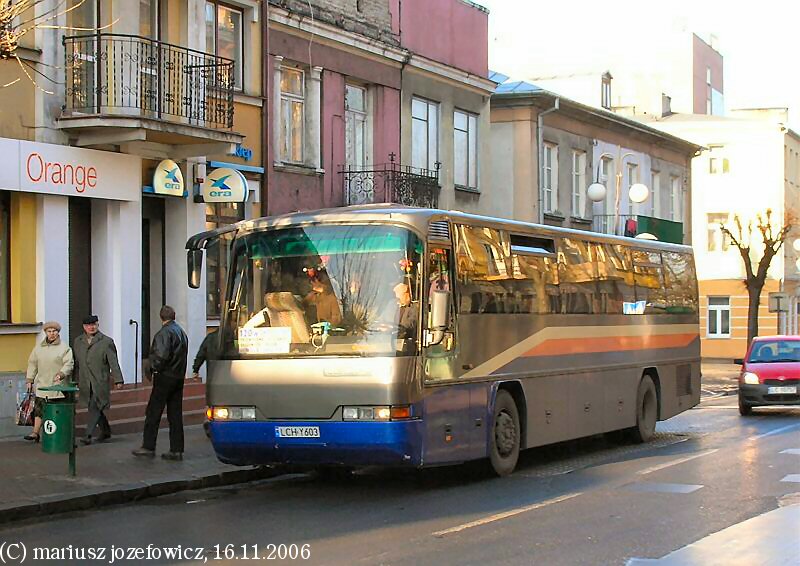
(439, 279)
(482, 270)
(679, 280)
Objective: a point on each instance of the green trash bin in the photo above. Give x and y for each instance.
(58, 421)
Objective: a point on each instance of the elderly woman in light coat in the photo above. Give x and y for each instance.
(50, 362)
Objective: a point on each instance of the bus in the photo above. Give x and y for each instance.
(395, 336)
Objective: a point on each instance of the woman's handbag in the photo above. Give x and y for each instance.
(25, 410)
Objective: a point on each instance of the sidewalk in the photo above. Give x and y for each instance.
(35, 484)
(720, 377)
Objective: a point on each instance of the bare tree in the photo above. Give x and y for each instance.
(756, 276)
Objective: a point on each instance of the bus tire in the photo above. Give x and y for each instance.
(646, 411)
(505, 435)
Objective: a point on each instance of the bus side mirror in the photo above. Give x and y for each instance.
(440, 316)
(194, 264)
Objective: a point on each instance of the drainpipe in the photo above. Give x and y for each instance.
(540, 144)
(266, 107)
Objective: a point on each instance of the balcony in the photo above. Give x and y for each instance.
(390, 182)
(150, 96)
(636, 224)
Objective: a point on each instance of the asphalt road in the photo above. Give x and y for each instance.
(706, 473)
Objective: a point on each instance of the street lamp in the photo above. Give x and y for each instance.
(596, 192)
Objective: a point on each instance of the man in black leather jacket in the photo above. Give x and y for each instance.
(168, 356)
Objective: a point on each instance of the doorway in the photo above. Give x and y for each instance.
(80, 263)
(153, 268)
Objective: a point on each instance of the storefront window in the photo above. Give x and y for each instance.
(5, 253)
(218, 215)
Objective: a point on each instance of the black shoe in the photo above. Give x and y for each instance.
(32, 436)
(144, 452)
(86, 440)
(174, 456)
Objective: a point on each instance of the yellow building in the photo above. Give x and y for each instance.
(751, 164)
(87, 223)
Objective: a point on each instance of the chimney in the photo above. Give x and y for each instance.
(666, 105)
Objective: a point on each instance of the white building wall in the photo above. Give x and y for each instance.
(52, 262)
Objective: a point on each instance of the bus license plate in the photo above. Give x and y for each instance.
(781, 390)
(297, 431)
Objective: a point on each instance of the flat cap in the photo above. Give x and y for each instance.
(91, 319)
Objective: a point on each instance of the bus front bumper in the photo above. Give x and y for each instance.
(241, 443)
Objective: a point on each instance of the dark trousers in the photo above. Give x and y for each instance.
(166, 391)
(96, 416)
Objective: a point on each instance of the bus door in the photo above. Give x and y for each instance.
(449, 429)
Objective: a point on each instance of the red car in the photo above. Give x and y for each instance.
(770, 373)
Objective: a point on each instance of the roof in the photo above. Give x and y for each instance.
(419, 218)
(523, 90)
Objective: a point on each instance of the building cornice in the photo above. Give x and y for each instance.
(290, 22)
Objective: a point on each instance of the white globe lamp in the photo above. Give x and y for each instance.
(596, 192)
(639, 192)
(796, 245)
(646, 236)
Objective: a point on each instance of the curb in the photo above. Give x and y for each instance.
(125, 493)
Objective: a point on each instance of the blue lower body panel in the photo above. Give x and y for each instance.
(343, 443)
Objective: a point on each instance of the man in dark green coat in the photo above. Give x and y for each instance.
(95, 365)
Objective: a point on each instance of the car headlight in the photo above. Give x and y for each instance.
(750, 378)
(379, 413)
(232, 413)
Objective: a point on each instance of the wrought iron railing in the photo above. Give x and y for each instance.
(390, 182)
(128, 75)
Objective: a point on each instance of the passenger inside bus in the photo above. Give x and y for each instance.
(409, 311)
(324, 299)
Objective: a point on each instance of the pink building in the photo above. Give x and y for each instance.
(376, 101)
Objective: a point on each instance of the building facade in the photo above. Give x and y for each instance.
(751, 163)
(549, 149)
(106, 150)
(370, 105)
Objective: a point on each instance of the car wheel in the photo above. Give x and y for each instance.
(745, 409)
(505, 435)
(646, 411)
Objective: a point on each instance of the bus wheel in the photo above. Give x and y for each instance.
(646, 411)
(505, 436)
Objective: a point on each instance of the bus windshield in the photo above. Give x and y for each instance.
(323, 290)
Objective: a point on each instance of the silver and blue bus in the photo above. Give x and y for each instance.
(395, 336)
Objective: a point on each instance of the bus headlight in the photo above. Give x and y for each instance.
(379, 413)
(232, 413)
(750, 378)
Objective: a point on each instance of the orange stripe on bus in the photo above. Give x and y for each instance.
(579, 345)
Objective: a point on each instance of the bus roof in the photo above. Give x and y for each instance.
(420, 218)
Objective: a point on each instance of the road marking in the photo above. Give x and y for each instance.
(505, 515)
(663, 487)
(715, 407)
(791, 451)
(776, 431)
(677, 461)
(794, 478)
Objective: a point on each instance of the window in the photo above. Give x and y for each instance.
(550, 178)
(482, 270)
(578, 183)
(292, 114)
(633, 178)
(605, 91)
(356, 136)
(224, 36)
(717, 240)
(675, 198)
(148, 18)
(5, 259)
(680, 280)
(719, 317)
(655, 190)
(465, 140)
(424, 134)
(718, 165)
(218, 215)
